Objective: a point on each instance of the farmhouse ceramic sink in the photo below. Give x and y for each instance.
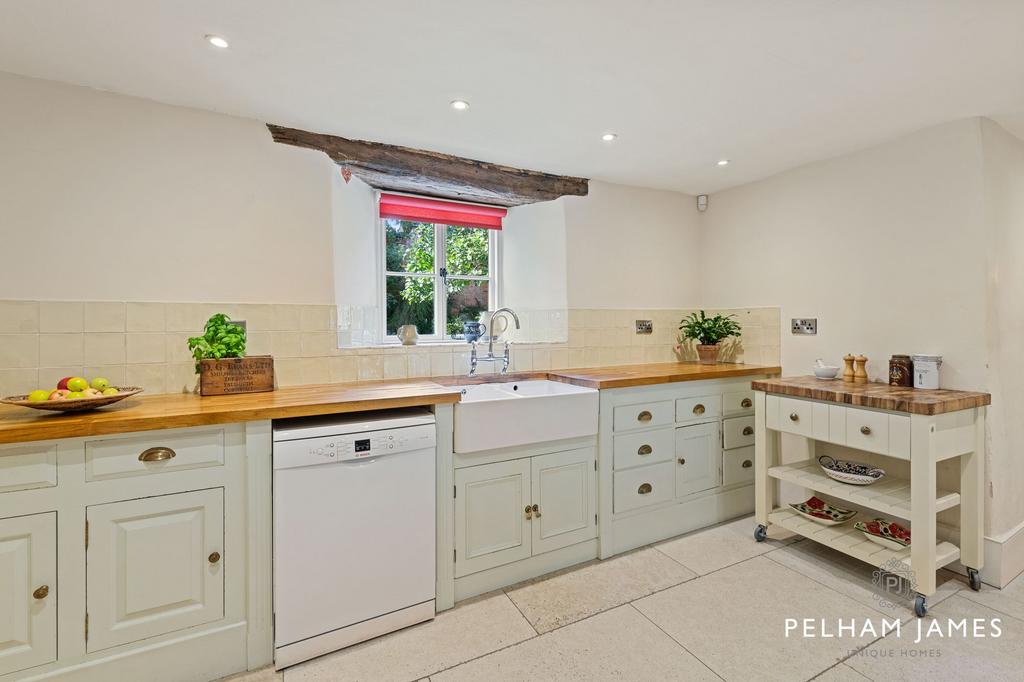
(519, 413)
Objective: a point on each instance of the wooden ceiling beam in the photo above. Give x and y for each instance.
(417, 171)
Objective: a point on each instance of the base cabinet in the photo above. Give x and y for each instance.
(512, 510)
(154, 566)
(698, 458)
(28, 591)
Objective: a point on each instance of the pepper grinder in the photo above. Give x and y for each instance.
(848, 369)
(860, 373)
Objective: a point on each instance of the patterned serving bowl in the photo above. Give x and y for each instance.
(850, 472)
(885, 533)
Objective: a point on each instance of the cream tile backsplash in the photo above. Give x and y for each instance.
(144, 344)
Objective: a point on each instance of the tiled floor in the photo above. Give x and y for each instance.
(709, 605)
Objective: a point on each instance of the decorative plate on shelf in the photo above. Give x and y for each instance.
(845, 471)
(75, 404)
(823, 512)
(885, 533)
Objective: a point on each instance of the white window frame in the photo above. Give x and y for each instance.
(493, 279)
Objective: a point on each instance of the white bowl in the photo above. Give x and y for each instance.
(826, 372)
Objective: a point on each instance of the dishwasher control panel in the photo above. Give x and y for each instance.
(351, 446)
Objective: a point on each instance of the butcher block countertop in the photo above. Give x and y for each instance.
(177, 410)
(622, 376)
(875, 395)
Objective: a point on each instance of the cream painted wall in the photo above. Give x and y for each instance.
(355, 241)
(1004, 217)
(883, 246)
(533, 250)
(629, 247)
(911, 246)
(107, 197)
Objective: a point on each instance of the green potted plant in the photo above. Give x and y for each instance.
(708, 332)
(222, 364)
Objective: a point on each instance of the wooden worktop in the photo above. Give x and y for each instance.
(878, 396)
(622, 376)
(176, 410)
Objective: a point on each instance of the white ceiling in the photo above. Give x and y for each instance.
(769, 84)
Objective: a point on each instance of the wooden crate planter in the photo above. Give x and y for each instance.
(252, 374)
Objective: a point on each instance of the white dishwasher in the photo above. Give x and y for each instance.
(354, 529)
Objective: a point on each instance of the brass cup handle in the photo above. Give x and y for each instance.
(529, 512)
(214, 557)
(747, 464)
(645, 489)
(41, 592)
(748, 430)
(698, 409)
(157, 455)
(536, 511)
(746, 402)
(794, 417)
(681, 460)
(866, 430)
(644, 416)
(644, 450)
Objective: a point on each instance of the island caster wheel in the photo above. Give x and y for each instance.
(974, 578)
(920, 608)
(760, 533)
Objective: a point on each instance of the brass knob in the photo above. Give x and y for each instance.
(681, 460)
(794, 417)
(41, 592)
(698, 409)
(746, 402)
(214, 557)
(645, 489)
(536, 511)
(529, 512)
(748, 430)
(747, 464)
(157, 455)
(645, 450)
(644, 416)
(866, 430)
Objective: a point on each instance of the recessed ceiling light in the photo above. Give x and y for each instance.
(723, 162)
(608, 137)
(217, 41)
(460, 104)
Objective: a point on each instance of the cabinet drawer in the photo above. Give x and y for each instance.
(153, 453)
(737, 402)
(796, 416)
(23, 467)
(642, 415)
(644, 486)
(638, 449)
(738, 466)
(701, 407)
(886, 434)
(737, 432)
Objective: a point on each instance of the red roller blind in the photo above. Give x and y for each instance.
(402, 207)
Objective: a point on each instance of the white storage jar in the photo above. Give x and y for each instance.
(926, 370)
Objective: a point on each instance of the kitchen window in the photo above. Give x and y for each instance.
(436, 276)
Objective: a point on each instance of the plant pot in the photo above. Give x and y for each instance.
(708, 354)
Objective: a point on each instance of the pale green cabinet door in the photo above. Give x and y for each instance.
(28, 591)
(491, 523)
(564, 490)
(698, 458)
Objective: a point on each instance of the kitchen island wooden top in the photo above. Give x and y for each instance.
(623, 376)
(875, 395)
(176, 410)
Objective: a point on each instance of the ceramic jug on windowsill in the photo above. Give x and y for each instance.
(408, 335)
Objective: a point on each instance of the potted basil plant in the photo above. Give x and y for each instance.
(708, 332)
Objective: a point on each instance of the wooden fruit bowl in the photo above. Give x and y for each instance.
(75, 405)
